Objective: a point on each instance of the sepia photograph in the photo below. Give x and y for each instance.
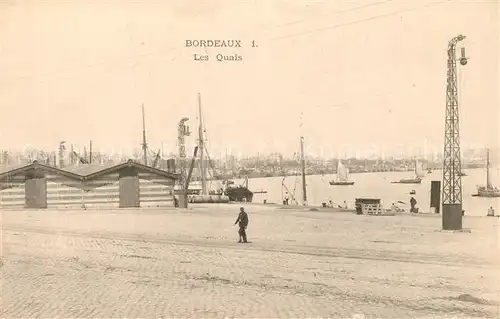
(250, 159)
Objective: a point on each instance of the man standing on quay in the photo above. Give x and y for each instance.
(413, 203)
(243, 223)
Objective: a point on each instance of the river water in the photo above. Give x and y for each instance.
(375, 185)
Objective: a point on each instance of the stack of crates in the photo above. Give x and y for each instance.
(360, 201)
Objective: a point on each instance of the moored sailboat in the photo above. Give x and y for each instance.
(489, 190)
(342, 176)
(416, 180)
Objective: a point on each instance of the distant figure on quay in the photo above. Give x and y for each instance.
(285, 202)
(242, 220)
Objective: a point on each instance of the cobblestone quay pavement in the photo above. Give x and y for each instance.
(187, 263)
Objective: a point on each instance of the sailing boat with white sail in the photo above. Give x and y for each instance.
(419, 169)
(342, 176)
(416, 180)
(489, 190)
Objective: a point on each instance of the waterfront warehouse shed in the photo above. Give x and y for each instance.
(128, 184)
(26, 185)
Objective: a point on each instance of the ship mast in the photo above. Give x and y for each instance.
(90, 153)
(488, 185)
(303, 163)
(201, 148)
(144, 145)
(338, 170)
(416, 165)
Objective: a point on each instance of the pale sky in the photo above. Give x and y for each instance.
(364, 74)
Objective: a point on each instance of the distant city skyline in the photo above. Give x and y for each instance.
(468, 153)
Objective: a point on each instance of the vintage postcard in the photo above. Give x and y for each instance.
(250, 159)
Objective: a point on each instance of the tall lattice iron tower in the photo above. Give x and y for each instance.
(452, 182)
(183, 131)
(62, 148)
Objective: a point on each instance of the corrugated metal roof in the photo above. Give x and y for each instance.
(87, 169)
(19, 170)
(137, 165)
(12, 167)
